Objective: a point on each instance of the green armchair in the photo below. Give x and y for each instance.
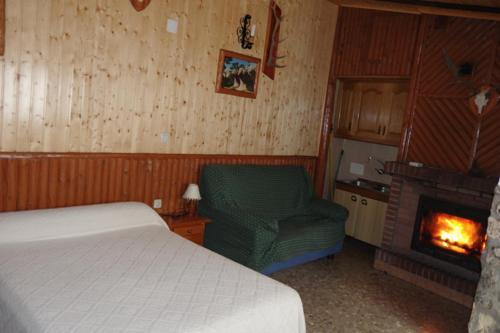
(266, 217)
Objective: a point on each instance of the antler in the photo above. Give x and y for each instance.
(455, 71)
(271, 61)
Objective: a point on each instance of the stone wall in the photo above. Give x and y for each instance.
(485, 316)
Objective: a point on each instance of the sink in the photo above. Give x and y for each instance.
(361, 183)
(370, 185)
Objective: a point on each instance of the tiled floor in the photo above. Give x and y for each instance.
(346, 294)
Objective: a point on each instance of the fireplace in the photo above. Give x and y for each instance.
(414, 251)
(450, 231)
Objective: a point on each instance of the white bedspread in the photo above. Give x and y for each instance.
(137, 279)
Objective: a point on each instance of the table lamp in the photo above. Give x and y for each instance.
(192, 195)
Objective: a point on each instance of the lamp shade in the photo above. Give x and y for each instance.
(192, 192)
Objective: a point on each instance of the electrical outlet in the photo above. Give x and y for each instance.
(357, 169)
(164, 138)
(172, 26)
(157, 203)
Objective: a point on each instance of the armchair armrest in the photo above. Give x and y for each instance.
(331, 209)
(249, 235)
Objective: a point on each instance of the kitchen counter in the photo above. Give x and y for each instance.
(366, 191)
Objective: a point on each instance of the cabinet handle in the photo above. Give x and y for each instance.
(364, 202)
(379, 129)
(353, 198)
(349, 127)
(384, 131)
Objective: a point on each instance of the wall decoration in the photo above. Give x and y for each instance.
(272, 40)
(245, 35)
(237, 74)
(481, 99)
(140, 4)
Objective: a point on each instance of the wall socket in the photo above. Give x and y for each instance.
(164, 138)
(157, 203)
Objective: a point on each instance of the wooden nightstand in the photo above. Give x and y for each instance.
(189, 227)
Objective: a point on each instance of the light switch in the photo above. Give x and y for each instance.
(157, 203)
(357, 169)
(172, 26)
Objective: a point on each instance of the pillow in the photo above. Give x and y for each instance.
(75, 221)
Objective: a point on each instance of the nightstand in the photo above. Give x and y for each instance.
(189, 227)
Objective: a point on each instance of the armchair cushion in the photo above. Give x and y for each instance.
(329, 209)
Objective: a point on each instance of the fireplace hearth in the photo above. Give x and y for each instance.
(450, 231)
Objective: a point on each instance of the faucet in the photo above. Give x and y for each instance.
(380, 171)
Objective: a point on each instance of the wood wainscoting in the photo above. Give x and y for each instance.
(45, 180)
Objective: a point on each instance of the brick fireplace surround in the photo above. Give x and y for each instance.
(396, 256)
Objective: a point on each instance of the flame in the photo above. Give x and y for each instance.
(456, 233)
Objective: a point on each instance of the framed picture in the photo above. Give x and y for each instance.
(237, 74)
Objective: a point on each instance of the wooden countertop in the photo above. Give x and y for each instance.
(366, 192)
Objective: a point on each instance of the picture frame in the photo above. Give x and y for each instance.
(237, 74)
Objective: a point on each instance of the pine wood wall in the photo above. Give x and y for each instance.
(97, 76)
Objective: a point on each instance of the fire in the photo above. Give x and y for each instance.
(456, 233)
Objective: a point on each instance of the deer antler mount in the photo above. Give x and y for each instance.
(272, 41)
(483, 98)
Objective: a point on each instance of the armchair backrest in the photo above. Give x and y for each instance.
(255, 187)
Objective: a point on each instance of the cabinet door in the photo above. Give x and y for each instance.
(371, 110)
(373, 42)
(368, 109)
(394, 111)
(369, 225)
(345, 108)
(350, 201)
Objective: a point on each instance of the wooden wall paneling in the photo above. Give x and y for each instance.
(36, 181)
(12, 173)
(487, 158)
(329, 107)
(443, 128)
(375, 43)
(443, 133)
(406, 130)
(465, 40)
(2, 27)
(97, 76)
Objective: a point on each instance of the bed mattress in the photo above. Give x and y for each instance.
(137, 279)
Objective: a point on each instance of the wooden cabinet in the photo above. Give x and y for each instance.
(366, 216)
(374, 43)
(350, 201)
(189, 227)
(371, 109)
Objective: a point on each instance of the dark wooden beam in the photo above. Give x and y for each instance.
(419, 7)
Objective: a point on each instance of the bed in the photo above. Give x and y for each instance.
(117, 268)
